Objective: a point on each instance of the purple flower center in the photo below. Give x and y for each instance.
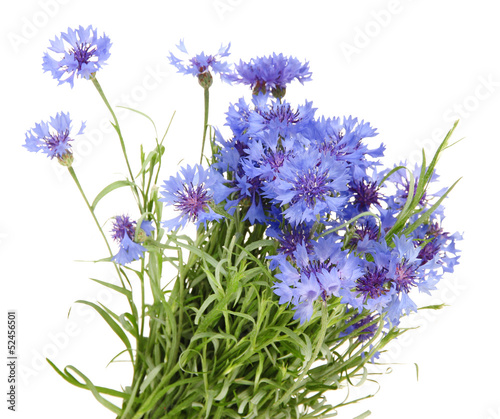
(192, 200)
(428, 252)
(83, 53)
(121, 226)
(282, 113)
(291, 239)
(310, 186)
(431, 249)
(365, 194)
(365, 230)
(276, 160)
(316, 267)
(58, 143)
(373, 283)
(404, 277)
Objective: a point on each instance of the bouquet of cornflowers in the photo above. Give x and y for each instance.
(306, 254)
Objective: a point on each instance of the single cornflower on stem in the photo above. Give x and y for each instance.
(78, 53)
(124, 232)
(53, 138)
(201, 66)
(271, 74)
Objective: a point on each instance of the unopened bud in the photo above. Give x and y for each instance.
(205, 79)
(278, 92)
(260, 87)
(141, 236)
(66, 159)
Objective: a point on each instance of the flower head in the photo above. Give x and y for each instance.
(53, 138)
(201, 65)
(191, 193)
(309, 184)
(315, 272)
(79, 53)
(271, 73)
(124, 231)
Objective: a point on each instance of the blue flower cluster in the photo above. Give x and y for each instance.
(317, 184)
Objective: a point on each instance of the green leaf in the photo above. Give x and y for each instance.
(423, 218)
(150, 377)
(96, 391)
(433, 307)
(104, 390)
(111, 187)
(204, 306)
(116, 288)
(363, 415)
(151, 156)
(114, 325)
(143, 114)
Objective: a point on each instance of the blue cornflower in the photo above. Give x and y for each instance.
(200, 65)
(80, 53)
(309, 185)
(365, 231)
(393, 274)
(401, 180)
(374, 287)
(342, 139)
(390, 274)
(315, 271)
(437, 253)
(289, 236)
(271, 74)
(53, 138)
(365, 193)
(279, 120)
(123, 232)
(192, 192)
(438, 246)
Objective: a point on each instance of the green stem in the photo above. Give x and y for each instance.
(116, 126)
(321, 338)
(205, 123)
(75, 178)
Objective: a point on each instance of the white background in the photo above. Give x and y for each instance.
(409, 67)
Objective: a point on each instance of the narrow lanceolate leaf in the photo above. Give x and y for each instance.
(88, 385)
(152, 157)
(364, 415)
(113, 324)
(142, 114)
(111, 187)
(426, 216)
(150, 377)
(72, 380)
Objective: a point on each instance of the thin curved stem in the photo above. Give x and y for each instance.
(116, 126)
(205, 123)
(75, 178)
